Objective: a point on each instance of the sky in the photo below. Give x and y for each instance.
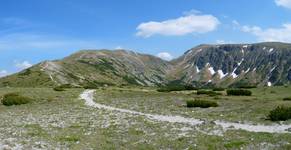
(32, 31)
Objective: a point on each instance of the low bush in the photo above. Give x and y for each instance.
(239, 92)
(201, 103)
(287, 99)
(247, 86)
(14, 99)
(281, 113)
(59, 89)
(169, 88)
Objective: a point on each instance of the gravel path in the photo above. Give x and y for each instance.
(88, 96)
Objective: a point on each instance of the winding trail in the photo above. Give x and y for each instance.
(88, 96)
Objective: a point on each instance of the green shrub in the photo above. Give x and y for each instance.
(14, 99)
(201, 103)
(218, 89)
(59, 89)
(239, 92)
(287, 99)
(281, 113)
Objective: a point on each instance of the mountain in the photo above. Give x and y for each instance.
(236, 64)
(223, 65)
(94, 68)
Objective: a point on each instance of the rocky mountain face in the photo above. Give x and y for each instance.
(262, 64)
(236, 64)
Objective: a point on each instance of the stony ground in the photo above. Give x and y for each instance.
(60, 120)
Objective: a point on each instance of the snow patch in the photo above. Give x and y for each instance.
(197, 69)
(211, 70)
(254, 69)
(248, 70)
(272, 49)
(199, 50)
(273, 69)
(233, 74)
(221, 74)
(264, 48)
(245, 46)
(240, 62)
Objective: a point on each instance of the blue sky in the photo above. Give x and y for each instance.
(32, 30)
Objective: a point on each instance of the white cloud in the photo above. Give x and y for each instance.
(220, 42)
(284, 3)
(118, 47)
(191, 23)
(23, 65)
(282, 34)
(3, 73)
(165, 55)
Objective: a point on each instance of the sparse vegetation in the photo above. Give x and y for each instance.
(207, 92)
(201, 103)
(14, 99)
(169, 88)
(239, 92)
(218, 89)
(281, 113)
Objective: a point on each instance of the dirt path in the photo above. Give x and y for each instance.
(88, 96)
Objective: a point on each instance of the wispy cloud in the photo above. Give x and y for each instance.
(284, 3)
(282, 34)
(22, 65)
(192, 22)
(3, 73)
(24, 41)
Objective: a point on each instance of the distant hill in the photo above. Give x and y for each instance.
(94, 68)
(261, 64)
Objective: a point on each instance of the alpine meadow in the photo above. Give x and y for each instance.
(147, 75)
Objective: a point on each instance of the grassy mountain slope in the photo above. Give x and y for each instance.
(94, 68)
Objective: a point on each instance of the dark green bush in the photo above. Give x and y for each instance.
(281, 113)
(239, 92)
(59, 89)
(218, 89)
(14, 99)
(201, 103)
(287, 99)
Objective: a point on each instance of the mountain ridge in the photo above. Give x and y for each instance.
(260, 64)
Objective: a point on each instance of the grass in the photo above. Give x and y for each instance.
(61, 120)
